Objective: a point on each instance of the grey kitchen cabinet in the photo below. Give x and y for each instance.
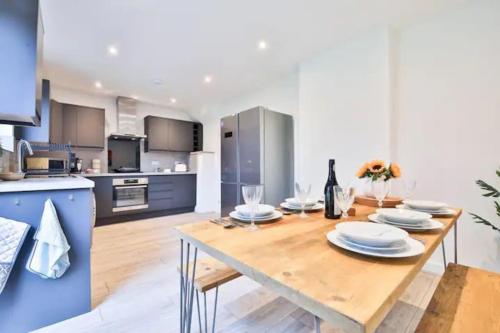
(167, 194)
(180, 135)
(42, 132)
(164, 134)
(172, 192)
(156, 129)
(103, 191)
(21, 51)
(56, 122)
(83, 126)
(70, 121)
(90, 127)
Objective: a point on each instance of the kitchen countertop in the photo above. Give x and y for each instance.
(45, 184)
(116, 174)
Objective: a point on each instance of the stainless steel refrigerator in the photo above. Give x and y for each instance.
(256, 148)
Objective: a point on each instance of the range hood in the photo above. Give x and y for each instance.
(126, 116)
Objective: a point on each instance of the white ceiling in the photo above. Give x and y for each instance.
(179, 42)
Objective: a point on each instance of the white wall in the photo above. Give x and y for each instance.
(166, 159)
(425, 95)
(343, 108)
(448, 105)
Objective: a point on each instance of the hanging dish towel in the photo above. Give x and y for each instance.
(12, 235)
(49, 257)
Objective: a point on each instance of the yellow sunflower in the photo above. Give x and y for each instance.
(377, 166)
(395, 170)
(361, 172)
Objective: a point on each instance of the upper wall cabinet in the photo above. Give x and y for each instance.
(21, 46)
(83, 126)
(164, 134)
(42, 132)
(80, 126)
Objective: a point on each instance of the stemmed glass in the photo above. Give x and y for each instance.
(302, 196)
(380, 189)
(409, 187)
(344, 197)
(252, 194)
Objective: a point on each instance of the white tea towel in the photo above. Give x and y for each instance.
(12, 235)
(49, 257)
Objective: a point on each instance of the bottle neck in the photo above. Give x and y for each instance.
(331, 172)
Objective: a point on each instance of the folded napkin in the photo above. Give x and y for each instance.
(12, 235)
(49, 257)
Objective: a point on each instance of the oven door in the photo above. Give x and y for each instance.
(130, 197)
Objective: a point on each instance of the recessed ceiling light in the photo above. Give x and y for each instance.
(207, 79)
(173, 100)
(98, 84)
(134, 96)
(262, 45)
(112, 50)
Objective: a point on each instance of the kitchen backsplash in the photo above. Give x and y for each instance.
(166, 160)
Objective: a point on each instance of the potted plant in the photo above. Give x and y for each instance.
(490, 192)
(377, 171)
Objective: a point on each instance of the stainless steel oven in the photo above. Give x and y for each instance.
(130, 194)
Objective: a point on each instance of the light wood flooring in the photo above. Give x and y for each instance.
(135, 289)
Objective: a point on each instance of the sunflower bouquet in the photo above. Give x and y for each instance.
(376, 170)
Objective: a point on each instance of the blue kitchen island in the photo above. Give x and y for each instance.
(28, 301)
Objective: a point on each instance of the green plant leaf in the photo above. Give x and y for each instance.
(498, 172)
(490, 190)
(478, 219)
(497, 205)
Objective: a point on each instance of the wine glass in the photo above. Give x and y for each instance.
(380, 189)
(344, 197)
(252, 194)
(302, 196)
(409, 187)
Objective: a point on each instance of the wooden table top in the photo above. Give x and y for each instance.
(293, 258)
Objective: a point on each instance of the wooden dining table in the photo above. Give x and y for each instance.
(293, 258)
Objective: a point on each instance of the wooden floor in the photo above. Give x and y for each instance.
(135, 289)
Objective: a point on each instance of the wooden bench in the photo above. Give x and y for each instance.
(209, 274)
(466, 300)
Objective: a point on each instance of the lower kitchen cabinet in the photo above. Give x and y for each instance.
(166, 194)
(172, 192)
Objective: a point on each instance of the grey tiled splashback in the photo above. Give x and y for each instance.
(165, 159)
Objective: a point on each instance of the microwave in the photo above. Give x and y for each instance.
(37, 165)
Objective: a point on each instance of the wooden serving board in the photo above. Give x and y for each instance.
(389, 202)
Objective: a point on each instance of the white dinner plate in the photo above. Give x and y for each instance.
(427, 225)
(425, 204)
(317, 206)
(405, 216)
(262, 210)
(295, 202)
(394, 247)
(414, 247)
(442, 212)
(371, 234)
(276, 215)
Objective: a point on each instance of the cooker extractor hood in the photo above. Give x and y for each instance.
(126, 116)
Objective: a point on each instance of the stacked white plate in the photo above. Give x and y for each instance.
(377, 240)
(263, 213)
(431, 207)
(405, 219)
(294, 204)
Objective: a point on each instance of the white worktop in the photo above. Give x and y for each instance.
(135, 174)
(45, 184)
